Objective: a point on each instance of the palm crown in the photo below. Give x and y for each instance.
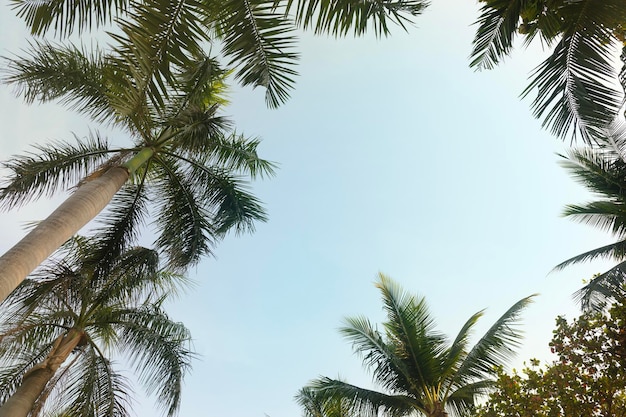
(602, 170)
(416, 367)
(79, 310)
(184, 157)
(577, 86)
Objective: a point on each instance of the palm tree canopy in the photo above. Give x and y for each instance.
(196, 164)
(116, 305)
(577, 87)
(256, 36)
(416, 368)
(602, 170)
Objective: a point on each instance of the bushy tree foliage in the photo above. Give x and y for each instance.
(587, 378)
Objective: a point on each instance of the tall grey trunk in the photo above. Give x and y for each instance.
(35, 380)
(81, 207)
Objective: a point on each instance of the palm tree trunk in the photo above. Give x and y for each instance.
(74, 213)
(35, 380)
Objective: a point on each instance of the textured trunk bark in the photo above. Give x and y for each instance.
(35, 380)
(75, 212)
(62, 224)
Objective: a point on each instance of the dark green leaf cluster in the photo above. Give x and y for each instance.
(257, 36)
(602, 170)
(576, 85)
(115, 303)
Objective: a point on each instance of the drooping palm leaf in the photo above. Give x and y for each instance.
(576, 85)
(157, 348)
(379, 358)
(339, 17)
(64, 16)
(362, 402)
(53, 167)
(497, 26)
(260, 42)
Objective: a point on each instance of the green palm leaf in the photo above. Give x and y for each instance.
(574, 85)
(66, 73)
(363, 402)
(63, 16)
(496, 347)
(96, 389)
(603, 289)
(339, 17)
(497, 26)
(386, 366)
(54, 167)
(260, 42)
(157, 347)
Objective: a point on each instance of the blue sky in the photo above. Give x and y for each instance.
(394, 156)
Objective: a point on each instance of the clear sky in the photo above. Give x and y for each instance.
(395, 157)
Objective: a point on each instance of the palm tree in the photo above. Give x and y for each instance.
(256, 36)
(184, 158)
(60, 327)
(602, 170)
(419, 371)
(577, 86)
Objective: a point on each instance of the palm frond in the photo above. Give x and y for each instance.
(411, 329)
(601, 175)
(22, 360)
(615, 251)
(94, 389)
(497, 26)
(186, 231)
(120, 223)
(603, 289)
(461, 402)
(495, 348)
(575, 91)
(63, 16)
(207, 145)
(65, 73)
(316, 407)
(158, 36)
(56, 166)
(202, 83)
(339, 17)
(158, 349)
(604, 215)
(260, 43)
(386, 365)
(455, 354)
(361, 402)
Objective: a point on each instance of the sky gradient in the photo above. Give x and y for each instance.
(393, 156)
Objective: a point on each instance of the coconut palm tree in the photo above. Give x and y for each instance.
(61, 326)
(418, 370)
(256, 36)
(184, 158)
(602, 170)
(577, 86)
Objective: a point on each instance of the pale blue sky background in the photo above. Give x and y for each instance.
(395, 157)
